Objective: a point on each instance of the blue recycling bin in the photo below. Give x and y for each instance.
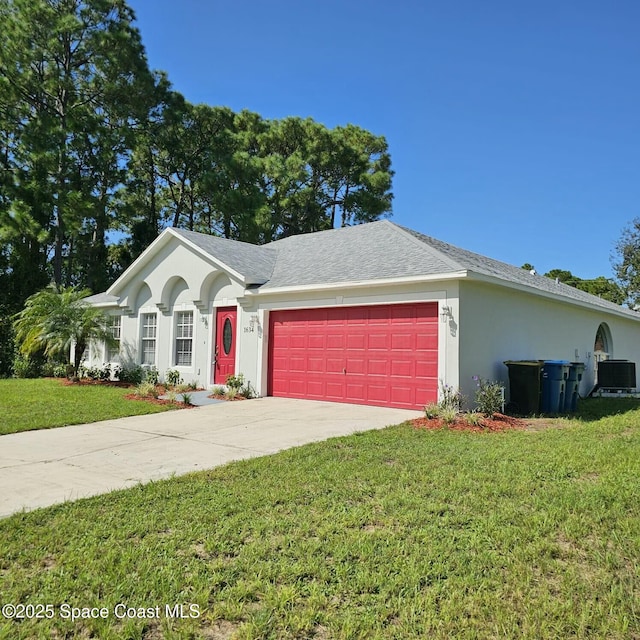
(554, 377)
(576, 370)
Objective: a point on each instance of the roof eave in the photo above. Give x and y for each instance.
(356, 284)
(621, 312)
(205, 254)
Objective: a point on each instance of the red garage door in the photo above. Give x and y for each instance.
(380, 355)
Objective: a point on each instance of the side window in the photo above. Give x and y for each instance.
(149, 333)
(184, 339)
(112, 352)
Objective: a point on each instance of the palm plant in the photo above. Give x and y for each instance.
(55, 320)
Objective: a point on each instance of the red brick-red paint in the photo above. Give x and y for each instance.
(379, 355)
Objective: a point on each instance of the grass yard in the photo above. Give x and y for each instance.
(399, 533)
(44, 403)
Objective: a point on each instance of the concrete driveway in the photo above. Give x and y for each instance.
(40, 468)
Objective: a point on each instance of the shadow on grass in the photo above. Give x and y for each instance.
(591, 409)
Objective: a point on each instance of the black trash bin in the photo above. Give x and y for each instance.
(524, 386)
(576, 370)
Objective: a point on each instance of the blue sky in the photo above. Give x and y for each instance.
(513, 127)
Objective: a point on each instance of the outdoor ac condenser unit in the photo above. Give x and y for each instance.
(617, 374)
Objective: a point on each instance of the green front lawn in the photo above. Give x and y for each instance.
(45, 403)
(396, 533)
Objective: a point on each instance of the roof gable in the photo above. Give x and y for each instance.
(252, 262)
(247, 263)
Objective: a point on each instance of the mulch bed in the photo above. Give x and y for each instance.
(219, 396)
(498, 422)
(87, 382)
(178, 405)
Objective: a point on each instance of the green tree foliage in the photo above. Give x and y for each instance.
(626, 261)
(55, 320)
(239, 176)
(73, 77)
(602, 287)
(93, 143)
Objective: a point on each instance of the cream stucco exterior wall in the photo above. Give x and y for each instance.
(173, 279)
(499, 323)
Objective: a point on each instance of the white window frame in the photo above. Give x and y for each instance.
(148, 336)
(112, 354)
(183, 338)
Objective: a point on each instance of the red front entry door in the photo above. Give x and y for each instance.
(224, 355)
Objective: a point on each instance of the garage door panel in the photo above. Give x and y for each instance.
(317, 341)
(380, 341)
(426, 369)
(377, 367)
(315, 364)
(335, 341)
(297, 341)
(356, 366)
(356, 391)
(378, 394)
(400, 341)
(427, 342)
(335, 317)
(402, 394)
(315, 388)
(356, 341)
(298, 363)
(335, 390)
(384, 354)
(402, 368)
(403, 314)
(379, 315)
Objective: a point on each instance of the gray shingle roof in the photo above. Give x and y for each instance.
(353, 254)
(365, 253)
(480, 264)
(249, 260)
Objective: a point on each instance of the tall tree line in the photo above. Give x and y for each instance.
(96, 146)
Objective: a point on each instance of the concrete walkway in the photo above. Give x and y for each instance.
(40, 468)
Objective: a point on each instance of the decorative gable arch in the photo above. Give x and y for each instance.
(172, 288)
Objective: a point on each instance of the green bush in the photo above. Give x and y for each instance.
(474, 418)
(54, 369)
(173, 377)
(235, 382)
(247, 391)
(146, 389)
(27, 366)
(151, 375)
(432, 410)
(131, 374)
(489, 396)
(96, 373)
(450, 398)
